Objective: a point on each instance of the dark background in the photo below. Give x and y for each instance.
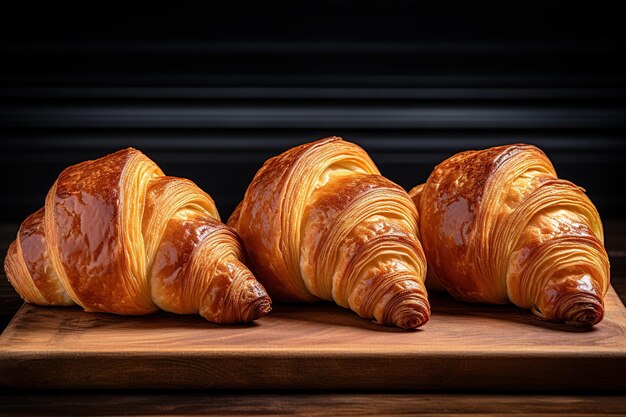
(209, 94)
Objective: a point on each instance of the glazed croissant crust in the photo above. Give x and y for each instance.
(320, 222)
(116, 235)
(499, 226)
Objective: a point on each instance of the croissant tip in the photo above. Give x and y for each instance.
(261, 307)
(583, 314)
(410, 323)
(578, 309)
(411, 315)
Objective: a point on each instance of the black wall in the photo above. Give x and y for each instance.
(211, 93)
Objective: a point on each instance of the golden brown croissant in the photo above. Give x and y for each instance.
(499, 226)
(118, 236)
(320, 222)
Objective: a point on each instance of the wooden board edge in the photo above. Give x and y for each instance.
(310, 404)
(313, 372)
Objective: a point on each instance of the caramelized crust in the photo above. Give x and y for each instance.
(111, 228)
(320, 222)
(499, 226)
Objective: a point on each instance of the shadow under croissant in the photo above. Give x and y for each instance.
(443, 304)
(331, 315)
(324, 313)
(73, 318)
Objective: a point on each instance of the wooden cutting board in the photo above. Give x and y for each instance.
(464, 346)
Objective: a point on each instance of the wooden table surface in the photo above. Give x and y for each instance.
(157, 402)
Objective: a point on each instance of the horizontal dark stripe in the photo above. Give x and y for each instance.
(273, 116)
(608, 78)
(303, 46)
(325, 93)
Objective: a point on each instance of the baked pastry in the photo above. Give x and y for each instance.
(116, 235)
(320, 222)
(498, 226)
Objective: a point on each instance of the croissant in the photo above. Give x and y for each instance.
(498, 226)
(116, 235)
(320, 222)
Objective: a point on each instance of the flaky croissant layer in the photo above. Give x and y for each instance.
(320, 222)
(116, 235)
(499, 226)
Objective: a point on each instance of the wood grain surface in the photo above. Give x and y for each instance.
(464, 346)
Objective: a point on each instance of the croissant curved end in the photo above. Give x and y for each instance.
(584, 314)
(408, 314)
(577, 313)
(234, 295)
(255, 302)
(571, 305)
(257, 309)
(582, 310)
(411, 317)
